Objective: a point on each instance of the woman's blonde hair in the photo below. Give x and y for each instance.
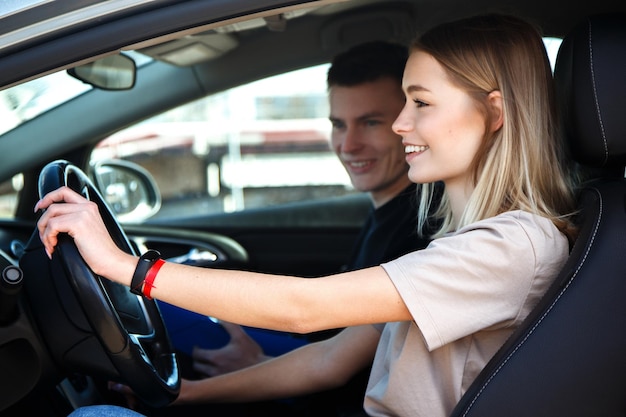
(521, 165)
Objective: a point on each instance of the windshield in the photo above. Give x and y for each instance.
(8, 7)
(26, 101)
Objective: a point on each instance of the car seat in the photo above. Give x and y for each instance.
(569, 357)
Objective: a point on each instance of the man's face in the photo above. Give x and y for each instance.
(362, 138)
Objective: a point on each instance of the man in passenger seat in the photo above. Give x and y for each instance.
(365, 95)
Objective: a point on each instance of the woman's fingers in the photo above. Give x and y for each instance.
(63, 194)
(76, 218)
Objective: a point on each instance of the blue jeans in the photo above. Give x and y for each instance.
(104, 411)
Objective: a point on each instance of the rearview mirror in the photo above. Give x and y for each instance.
(115, 72)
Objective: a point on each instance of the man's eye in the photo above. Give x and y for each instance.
(337, 125)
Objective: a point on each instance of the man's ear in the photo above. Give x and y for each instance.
(496, 108)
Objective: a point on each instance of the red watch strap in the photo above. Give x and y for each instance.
(148, 283)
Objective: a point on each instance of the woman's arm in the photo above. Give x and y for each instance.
(311, 368)
(299, 305)
(275, 302)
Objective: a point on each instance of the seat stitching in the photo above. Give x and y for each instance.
(543, 316)
(595, 97)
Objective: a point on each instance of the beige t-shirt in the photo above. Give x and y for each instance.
(467, 292)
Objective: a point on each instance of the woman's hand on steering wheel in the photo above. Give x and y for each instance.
(66, 211)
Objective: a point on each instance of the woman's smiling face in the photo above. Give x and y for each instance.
(441, 126)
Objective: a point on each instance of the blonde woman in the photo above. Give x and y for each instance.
(479, 116)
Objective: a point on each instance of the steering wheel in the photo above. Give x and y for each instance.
(128, 327)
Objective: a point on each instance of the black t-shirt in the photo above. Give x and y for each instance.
(389, 232)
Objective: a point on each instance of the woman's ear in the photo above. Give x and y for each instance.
(494, 100)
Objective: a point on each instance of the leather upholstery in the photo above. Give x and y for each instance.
(569, 358)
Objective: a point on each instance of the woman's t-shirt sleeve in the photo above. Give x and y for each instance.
(477, 278)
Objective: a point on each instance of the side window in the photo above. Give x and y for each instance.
(552, 48)
(257, 145)
(8, 196)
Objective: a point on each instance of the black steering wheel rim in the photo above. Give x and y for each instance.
(130, 328)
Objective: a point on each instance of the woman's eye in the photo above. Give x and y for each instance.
(420, 103)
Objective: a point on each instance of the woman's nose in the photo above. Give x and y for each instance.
(403, 123)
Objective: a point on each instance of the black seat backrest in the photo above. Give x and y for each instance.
(569, 357)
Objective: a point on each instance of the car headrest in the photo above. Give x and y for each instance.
(590, 76)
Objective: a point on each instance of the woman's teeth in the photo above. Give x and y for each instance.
(414, 148)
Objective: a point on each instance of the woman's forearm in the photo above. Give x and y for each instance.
(298, 305)
(311, 368)
(285, 376)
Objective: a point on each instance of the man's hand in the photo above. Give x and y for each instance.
(240, 352)
(125, 391)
